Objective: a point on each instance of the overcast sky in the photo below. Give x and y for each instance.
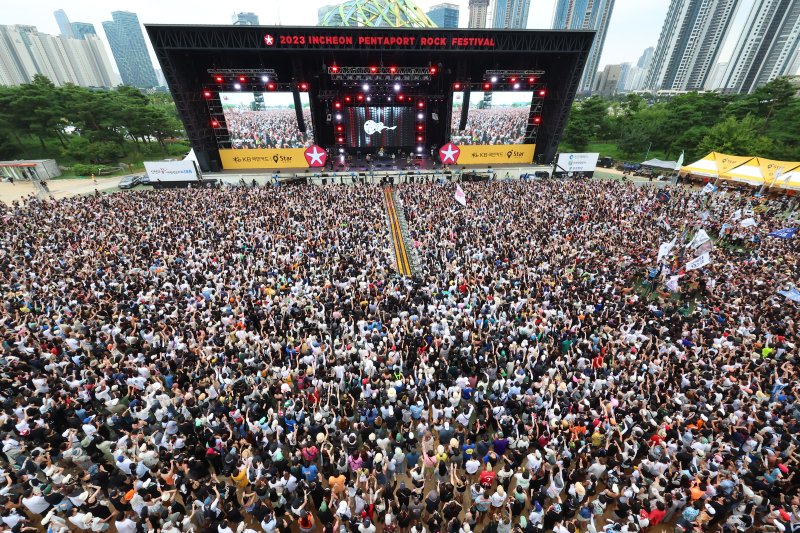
(635, 24)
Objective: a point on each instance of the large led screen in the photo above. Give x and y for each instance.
(494, 118)
(376, 127)
(266, 120)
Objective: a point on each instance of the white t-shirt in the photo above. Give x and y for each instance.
(36, 504)
(125, 526)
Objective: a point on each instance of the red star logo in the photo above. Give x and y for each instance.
(315, 156)
(449, 153)
(268, 40)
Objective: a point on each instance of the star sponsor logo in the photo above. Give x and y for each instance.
(269, 40)
(449, 153)
(315, 156)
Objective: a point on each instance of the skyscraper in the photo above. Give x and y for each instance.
(689, 44)
(608, 80)
(646, 58)
(63, 23)
(444, 15)
(25, 52)
(511, 13)
(478, 9)
(245, 19)
(586, 15)
(82, 29)
(766, 47)
(130, 52)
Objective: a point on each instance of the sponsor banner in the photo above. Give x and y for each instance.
(171, 170)
(263, 158)
(487, 154)
(577, 162)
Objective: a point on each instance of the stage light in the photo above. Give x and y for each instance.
(531, 79)
(219, 79)
(346, 98)
(494, 79)
(214, 124)
(334, 69)
(341, 139)
(537, 120)
(419, 127)
(237, 86)
(419, 138)
(341, 151)
(421, 104)
(396, 86)
(242, 79)
(373, 70)
(271, 86)
(419, 149)
(388, 98)
(420, 116)
(487, 86)
(365, 87)
(512, 80)
(303, 86)
(401, 97)
(369, 98)
(457, 86)
(516, 85)
(338, 117)
(392, 70)
(542, 92)
(207, 94)
(340, 128)
(337, 105)
(432, 70)
(265, 79)
(360, 97)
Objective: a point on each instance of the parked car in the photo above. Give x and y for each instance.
(127, 182)
(144, 179)
(605, 162)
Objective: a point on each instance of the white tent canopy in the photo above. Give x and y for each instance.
(660, 164)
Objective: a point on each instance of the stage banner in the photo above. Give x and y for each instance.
(263, 158)
(486, 154)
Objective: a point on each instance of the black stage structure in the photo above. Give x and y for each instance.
(331, 64)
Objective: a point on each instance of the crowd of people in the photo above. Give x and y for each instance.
(273, 128)
(247, 360)
(494, 125)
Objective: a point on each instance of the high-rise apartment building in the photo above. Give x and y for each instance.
(24, 52)
(64, 25)
(689, 45)
(646, 58)
(586, 15)
(766, 48)
(444, 15)
(511, 13)
(608, 80)
(125, 36)
(82, 29)
(245, 19)
(478, 10)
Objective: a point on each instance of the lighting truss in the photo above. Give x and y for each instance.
(513, 73)
(380, 73)
(249, 72)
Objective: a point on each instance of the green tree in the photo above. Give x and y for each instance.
(634, 143)
(736, 137)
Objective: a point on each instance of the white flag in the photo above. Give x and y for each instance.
(708, 188)
(699, 238)
(672, 284)
(460, 196)
(699, 262)
(679, 164)
(746, 223)
(665, 249)
(703, 248)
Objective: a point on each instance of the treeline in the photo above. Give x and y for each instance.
(76, 124)
(765, 123)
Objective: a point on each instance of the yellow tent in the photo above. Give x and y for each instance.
(759, 171)
(788, 180)
(715, 164)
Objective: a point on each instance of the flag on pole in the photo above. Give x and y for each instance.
(700, 238)
(665, 249)
(785, 233)
(672, 284)
(792, 294)
(679, 164)
(460, 196)
(709, 188)
(699, 262)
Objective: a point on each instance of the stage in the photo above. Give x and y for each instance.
(276, 98)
